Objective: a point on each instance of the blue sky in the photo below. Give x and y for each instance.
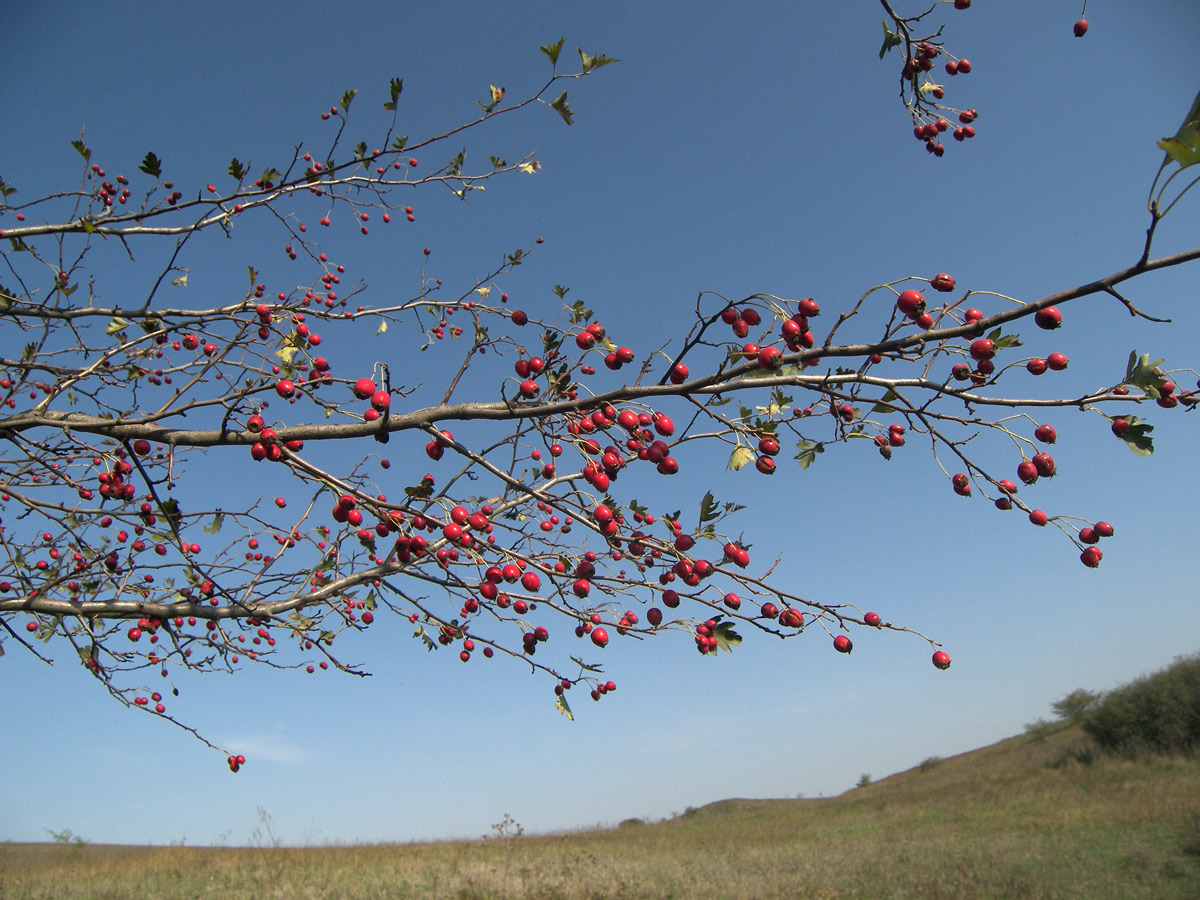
(733, 149)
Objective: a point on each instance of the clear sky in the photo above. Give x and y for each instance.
(736, 148)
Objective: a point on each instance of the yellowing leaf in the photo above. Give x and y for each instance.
(382, 326)
(530, 167)
(1184, 145)
(483, 292)
(560, 703)
(181, 281)
(740, 457)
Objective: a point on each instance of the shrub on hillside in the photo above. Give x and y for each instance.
(1158, 713)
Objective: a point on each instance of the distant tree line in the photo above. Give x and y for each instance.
(1158, 713)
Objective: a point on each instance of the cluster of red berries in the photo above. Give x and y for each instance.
(107, 192)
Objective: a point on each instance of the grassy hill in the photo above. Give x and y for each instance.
(1040, 816)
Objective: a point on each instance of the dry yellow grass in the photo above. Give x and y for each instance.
(1024, 818)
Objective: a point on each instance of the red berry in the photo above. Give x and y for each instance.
(1091, 557)
(599, 637)
(872, 619)
(911, 303)
(1056, 361)
(1046, 434)
(1081, 28)
(1039, 518)
(363, 388)
(1045, 465)
(962, 485)
(842, 644)
(941, 659)
(942, 282)
(1048, 318)
(984, 348)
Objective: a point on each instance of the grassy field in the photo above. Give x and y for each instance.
(1039, 816)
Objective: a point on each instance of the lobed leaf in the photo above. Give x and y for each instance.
(151, 165)
(552, 50)
(890, 40)
(562, 107)
(395, 88)
(560, 703)
(808, 451)
(740, 458)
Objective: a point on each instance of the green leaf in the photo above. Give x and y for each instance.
(399, 142)
(214, 527)
(708, 509)
(172, 512)
(253, 275)
(597, 670)
(882, 405)
(890, 40)
(83, 150)
(552, 50)
(579, 312)
(562, 107)
(808, 451)
(270, 174)
(1004, 340)
(594, 62)
(6, 189)
(726, 637)
(237, 170)
(360, 151)
(347, 99)
(1145, 374)
(1180, 152)
(741, 457)
(1137, 437)
(116, 325)
(151, 165)
(430, 644)
(396, 87)
(88, 227)
(286, 354)
(560, 703)
(421, 490)
(1184, 147)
